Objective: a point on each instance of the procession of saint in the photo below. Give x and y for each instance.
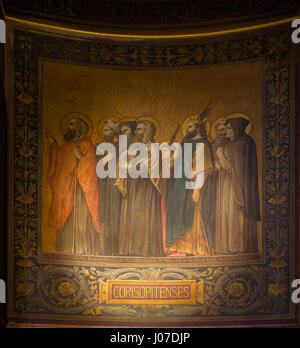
(155, 217)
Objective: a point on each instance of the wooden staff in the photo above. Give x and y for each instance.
(220, 143)
(219, 202)
(204, 232)
(112, 213)
(174, 135)
(75, 191)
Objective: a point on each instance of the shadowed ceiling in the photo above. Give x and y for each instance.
(150, 14)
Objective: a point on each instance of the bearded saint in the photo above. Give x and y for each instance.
(128, 128)
(110, 198)
(187, 216)
(221, 138)
(141, 221)
(239, 208)
(74, 211)
(212, 200)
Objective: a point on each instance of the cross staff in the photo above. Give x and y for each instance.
(75, 187)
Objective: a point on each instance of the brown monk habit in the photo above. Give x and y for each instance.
(140, 220)
(239, 208)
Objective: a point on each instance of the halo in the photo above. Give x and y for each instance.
(152, 120)
(213, 132)
(240, 115)
(128, 119)
(189, 119)
(68, 117)
(101, 122)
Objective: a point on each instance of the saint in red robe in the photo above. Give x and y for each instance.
(75, 215)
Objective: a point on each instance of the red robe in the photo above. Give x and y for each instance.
(61, 178)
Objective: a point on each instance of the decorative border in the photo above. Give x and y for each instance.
(159, 295)
(257, 292)
(121, 261)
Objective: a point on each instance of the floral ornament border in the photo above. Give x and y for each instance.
(253, 292)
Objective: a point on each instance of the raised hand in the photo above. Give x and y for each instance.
(77, 153)
(50, 137)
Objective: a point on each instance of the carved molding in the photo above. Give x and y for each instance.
(247, 292)
(146, 14)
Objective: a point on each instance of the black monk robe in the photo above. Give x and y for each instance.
(239, 208)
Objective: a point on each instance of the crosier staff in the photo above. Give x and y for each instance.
(112, 212)
(221, 142)
(196, 194)
(77, 155)
(218, 168)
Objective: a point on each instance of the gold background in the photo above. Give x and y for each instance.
(169, 96)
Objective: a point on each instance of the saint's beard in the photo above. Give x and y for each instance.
(69, 135)
(191, 135)
(109, 139)
(138, 138)
(222, 140)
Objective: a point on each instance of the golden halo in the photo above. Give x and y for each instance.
(152, 120)
(213, 131)
(189, 119)
(101, 122)
(77, 115)
(128, 119)
(240, 115)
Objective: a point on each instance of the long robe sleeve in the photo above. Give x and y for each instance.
(61, 178)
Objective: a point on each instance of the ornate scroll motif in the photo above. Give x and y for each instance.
(260, 290)
(223, 292)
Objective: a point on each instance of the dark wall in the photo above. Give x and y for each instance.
(3, 181)
(297, 148)
(4, 144)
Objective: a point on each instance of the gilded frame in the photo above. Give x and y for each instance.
(32, 295)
